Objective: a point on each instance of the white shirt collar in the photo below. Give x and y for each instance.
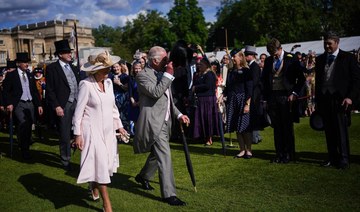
(335, 53)
(63, 63)
(20, 72)
(251, 62)
(282, 55)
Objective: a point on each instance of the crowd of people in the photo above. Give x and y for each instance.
(148, 98)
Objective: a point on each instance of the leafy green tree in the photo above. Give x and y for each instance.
(255, 21)
(106, 35)
(188, 22)
(148, 30)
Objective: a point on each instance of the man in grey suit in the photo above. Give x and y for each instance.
(154, 124)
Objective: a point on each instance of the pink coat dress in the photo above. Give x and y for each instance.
(96, 118)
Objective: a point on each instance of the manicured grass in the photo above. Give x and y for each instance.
(223, 183)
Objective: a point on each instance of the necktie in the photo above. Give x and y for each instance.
(330, 59)
(67, 67)
(159, 75)
(277, 64)
(23, 76)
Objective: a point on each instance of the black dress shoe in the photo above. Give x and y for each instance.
(144, 183)
(326, 164)
(68, 168)
(174, 201)
(276, 160)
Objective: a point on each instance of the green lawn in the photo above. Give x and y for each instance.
(223, 183)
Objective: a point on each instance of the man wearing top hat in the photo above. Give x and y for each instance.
(21, 99)
(337, 88)
(61, 92)
(255, 107)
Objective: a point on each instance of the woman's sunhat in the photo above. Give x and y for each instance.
(99, 59)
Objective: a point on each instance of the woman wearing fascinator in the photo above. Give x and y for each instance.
(95, 133)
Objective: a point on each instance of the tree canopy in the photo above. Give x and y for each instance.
(242, 22)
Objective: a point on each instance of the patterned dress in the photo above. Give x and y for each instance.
(122, 99)
(239, 88)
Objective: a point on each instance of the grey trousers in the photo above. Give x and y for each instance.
(64, 125)
(24, 113)
(160, 159)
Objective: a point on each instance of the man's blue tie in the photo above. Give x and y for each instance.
(159, 75)
(330, 59)
(277, 64)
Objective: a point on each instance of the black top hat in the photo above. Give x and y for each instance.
(316, 121)
(62, 46)
(10, 64)
(22, 57)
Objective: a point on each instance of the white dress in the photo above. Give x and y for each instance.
(96, 118)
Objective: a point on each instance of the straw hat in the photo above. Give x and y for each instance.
(99, 59)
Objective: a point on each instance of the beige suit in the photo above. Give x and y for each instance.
(152, 131)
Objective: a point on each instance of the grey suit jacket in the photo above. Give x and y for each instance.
(153, 106)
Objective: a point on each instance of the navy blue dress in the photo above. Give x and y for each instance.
(239, 88)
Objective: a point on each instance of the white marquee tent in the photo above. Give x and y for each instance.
(346, 44)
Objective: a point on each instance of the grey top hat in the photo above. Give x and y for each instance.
(250, 50)
(62, 46)
(22, 57)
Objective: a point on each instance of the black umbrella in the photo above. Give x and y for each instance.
(11, 133)
(222, 133)
(187, 157)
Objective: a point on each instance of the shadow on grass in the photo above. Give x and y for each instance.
(123, 182)
(37, 156)
(60, 193)
(267, 155)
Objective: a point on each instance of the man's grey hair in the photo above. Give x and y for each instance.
(155, 53)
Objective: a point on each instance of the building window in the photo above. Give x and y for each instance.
(2, 57)
(1, 42)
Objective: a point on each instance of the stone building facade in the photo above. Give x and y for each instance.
(38, 39)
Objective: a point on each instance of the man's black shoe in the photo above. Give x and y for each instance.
(68, 167)
(276, 160)
(326, 164)
(174, 201)
(144, 183)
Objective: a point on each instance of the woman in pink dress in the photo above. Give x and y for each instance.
(94, 131)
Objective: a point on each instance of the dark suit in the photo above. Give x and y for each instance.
(345, 84)
(58, 93)
(282, 112)
(256, 111)
(23, 109)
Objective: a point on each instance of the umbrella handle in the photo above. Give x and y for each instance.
(181, 128)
